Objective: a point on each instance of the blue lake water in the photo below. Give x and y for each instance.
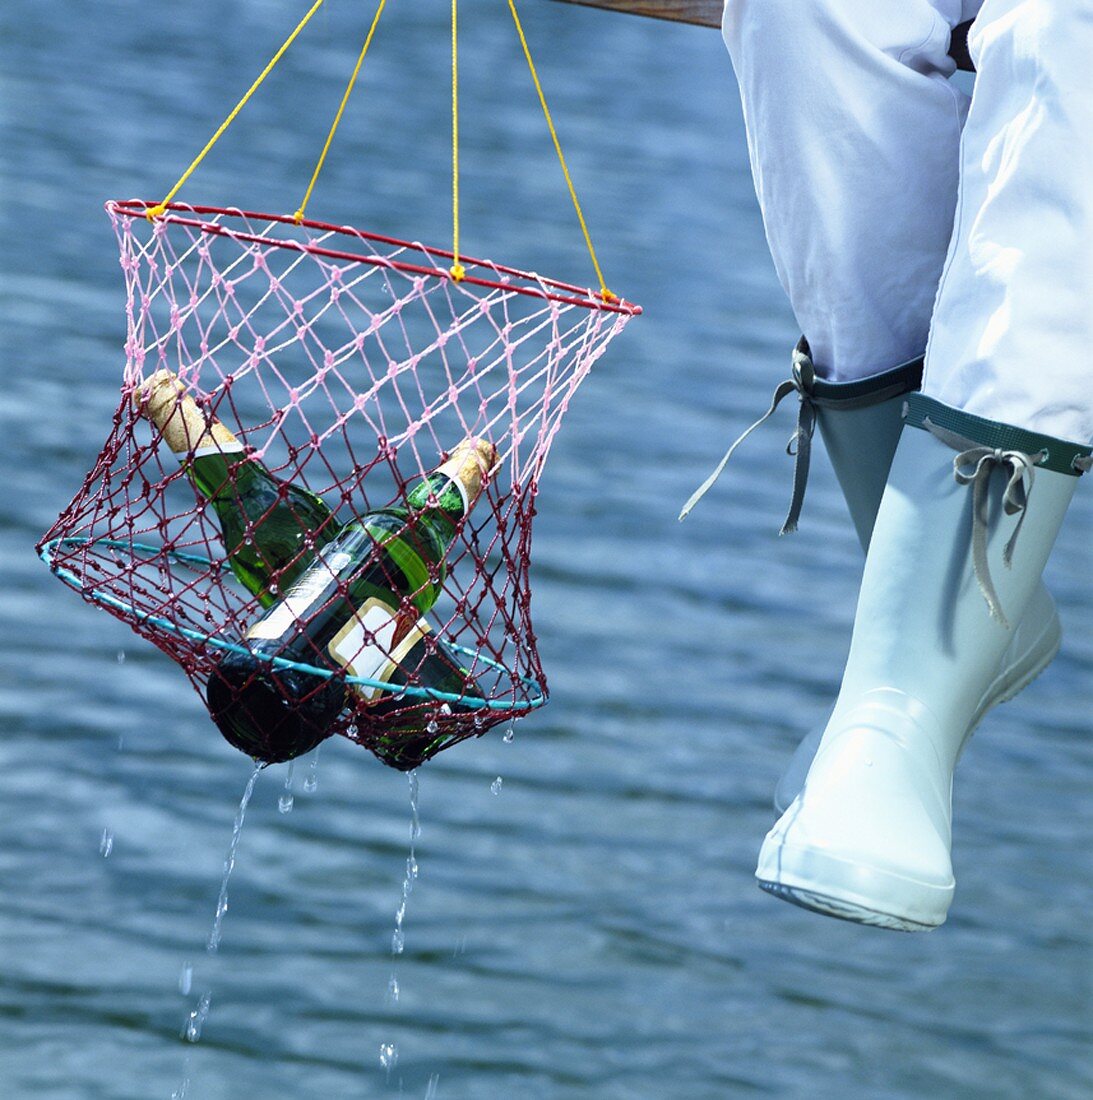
(591, 929)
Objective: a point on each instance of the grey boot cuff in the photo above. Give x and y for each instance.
(860, 393)
(1059, 455)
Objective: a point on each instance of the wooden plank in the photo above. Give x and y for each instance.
(707, 13)
(703, 13)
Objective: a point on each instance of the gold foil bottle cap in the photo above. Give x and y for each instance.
(469, 463)
(186, 428)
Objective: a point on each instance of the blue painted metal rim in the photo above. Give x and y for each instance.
(537, 698)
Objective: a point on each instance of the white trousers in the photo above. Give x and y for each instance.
(902, 215)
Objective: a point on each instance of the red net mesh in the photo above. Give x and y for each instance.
(348, 367)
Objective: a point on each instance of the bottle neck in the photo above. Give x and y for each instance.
(186, 428)
(219, 473)
(454, 486)
(449, 494)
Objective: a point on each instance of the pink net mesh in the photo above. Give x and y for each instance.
(348, 366)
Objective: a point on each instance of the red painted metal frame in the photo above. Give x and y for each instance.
(573, 295)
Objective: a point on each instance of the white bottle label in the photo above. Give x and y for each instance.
(292, 610)
(394, 663)
(215, 449)
(363, 647)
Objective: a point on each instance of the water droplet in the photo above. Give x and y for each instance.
(432, 1087)
(312, 780)
(411, 869)
(431, 726)
(495, 786)
(196, 1020)
(510, 735)
(392, 990)
(284, 803)
(388, 1056)
(398, 942)
(106, 844)
(185, 979)
(351, 729)
(400, 912)
(121, 656)
(121, 742)
(477, 722)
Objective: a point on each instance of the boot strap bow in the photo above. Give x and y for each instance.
(799, 446)
(973, 466)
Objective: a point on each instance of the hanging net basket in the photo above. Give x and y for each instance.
(286, 384)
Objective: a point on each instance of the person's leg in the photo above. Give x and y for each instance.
(810, 142)
(955, 558)
(1013, 324)
(853, 133)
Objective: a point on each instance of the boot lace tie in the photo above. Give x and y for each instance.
(973, 466)
(799, 446)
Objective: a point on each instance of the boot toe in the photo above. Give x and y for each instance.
(868, 837)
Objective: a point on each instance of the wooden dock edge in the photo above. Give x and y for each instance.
(707, 13)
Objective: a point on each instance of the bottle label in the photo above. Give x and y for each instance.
(216, 449)
(454, 483)
(293, 609)
(365, 645)
(394, 662)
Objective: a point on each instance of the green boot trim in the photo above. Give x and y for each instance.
(1059, 455)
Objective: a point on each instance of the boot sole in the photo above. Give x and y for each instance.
(815, 880)
(842, 910)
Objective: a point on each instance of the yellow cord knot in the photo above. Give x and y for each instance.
(458, 272)
(298, 217)
(155, 211)
(608, 296)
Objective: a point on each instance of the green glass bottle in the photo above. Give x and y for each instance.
(350, 609)
(271, 528)
(405, 737)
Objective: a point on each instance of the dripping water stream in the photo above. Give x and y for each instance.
(195, 1020)
(213, 943)
(389, 1050)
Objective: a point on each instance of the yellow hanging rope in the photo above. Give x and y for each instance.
(161, 207)
(604, 292)
(299, 215)
(457, 270)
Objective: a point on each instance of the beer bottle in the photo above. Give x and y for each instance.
(406, 737)
(270, 527)
(350, 609)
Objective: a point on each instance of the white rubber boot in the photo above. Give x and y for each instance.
(860, 424)
(953, 559)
